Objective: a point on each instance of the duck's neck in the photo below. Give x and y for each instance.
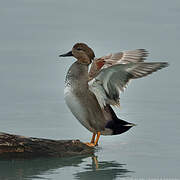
(77, 76)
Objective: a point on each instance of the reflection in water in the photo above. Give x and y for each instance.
(103, 170)
(37, 168)
(20, 169)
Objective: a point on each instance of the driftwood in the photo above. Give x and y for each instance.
(15, 146)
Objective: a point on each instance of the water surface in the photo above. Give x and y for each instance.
(33, 34)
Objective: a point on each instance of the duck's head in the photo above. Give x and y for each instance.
(82, 53)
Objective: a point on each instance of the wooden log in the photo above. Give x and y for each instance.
(15, 146)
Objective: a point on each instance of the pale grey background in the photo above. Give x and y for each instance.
(32, 35)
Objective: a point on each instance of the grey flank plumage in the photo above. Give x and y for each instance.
(80, 100)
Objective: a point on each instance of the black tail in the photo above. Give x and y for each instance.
(117, 125)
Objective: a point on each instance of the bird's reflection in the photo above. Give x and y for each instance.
(37, 168)
(103, 170)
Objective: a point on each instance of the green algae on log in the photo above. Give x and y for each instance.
(16, 146)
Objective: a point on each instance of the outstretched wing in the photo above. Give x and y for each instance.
(111, 80)
(125, 57)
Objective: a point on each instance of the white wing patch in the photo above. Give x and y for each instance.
(96, 88)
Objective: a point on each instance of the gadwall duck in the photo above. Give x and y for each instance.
(89, 93)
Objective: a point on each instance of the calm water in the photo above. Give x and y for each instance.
(33, 34)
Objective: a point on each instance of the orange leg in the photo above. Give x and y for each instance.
(93, 137)
(93, 141)
(97, 139)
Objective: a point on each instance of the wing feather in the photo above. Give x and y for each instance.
(138, 55)
(110, 81)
